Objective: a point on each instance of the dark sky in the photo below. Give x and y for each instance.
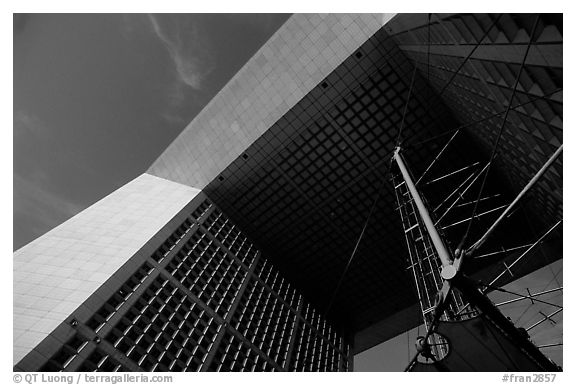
(98, 97)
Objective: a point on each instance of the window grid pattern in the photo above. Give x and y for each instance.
(269, 275)
(323, 328)
(106, 311)
(173, 240)
(65, 355)
(314, 353)
(201, 209)
(234, 355)
(98, 361)
(265, 320)
(208, 272)
(165, 330)
(230, 236)
(267, 316)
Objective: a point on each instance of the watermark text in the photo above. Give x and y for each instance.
(90, 378)
(534, 377)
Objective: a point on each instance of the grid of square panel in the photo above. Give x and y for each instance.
(229, 235)
(265, 320)
(165, 330)
(113, 304)
(314, 353)
(65, 355)
(202, 209)
(318, 323)
(234, 354)
(304, 189)
(268, 315)
(207, 271)
(265, 315)
(175, 320)
(266, 272)
(485, 83)
(169, 244)
(69, 352)
(99, 361)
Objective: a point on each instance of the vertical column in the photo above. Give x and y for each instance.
(293, 336)
(350, 359)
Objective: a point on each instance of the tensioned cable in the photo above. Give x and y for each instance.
(437, 157)
(554, 277)
(544, 236)
(494, 115)
(538, 313)
(461, 64)
(502, 125)
(508, 267)
(406, 107)
(454, 74)
(512, 207)
(542, 250)
(500, 289)
(494, 22)
(439, 94)
(547, 317)
(381, 188)
(529, 306)
(470, 54)
(428, 62)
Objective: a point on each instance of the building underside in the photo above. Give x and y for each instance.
(304, 189)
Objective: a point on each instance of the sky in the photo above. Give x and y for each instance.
(97, 97)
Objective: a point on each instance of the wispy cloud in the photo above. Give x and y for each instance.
(27, 124)
(37, 210)
(182, 37)
(48, 207)
(37, 207)
(30, 132)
